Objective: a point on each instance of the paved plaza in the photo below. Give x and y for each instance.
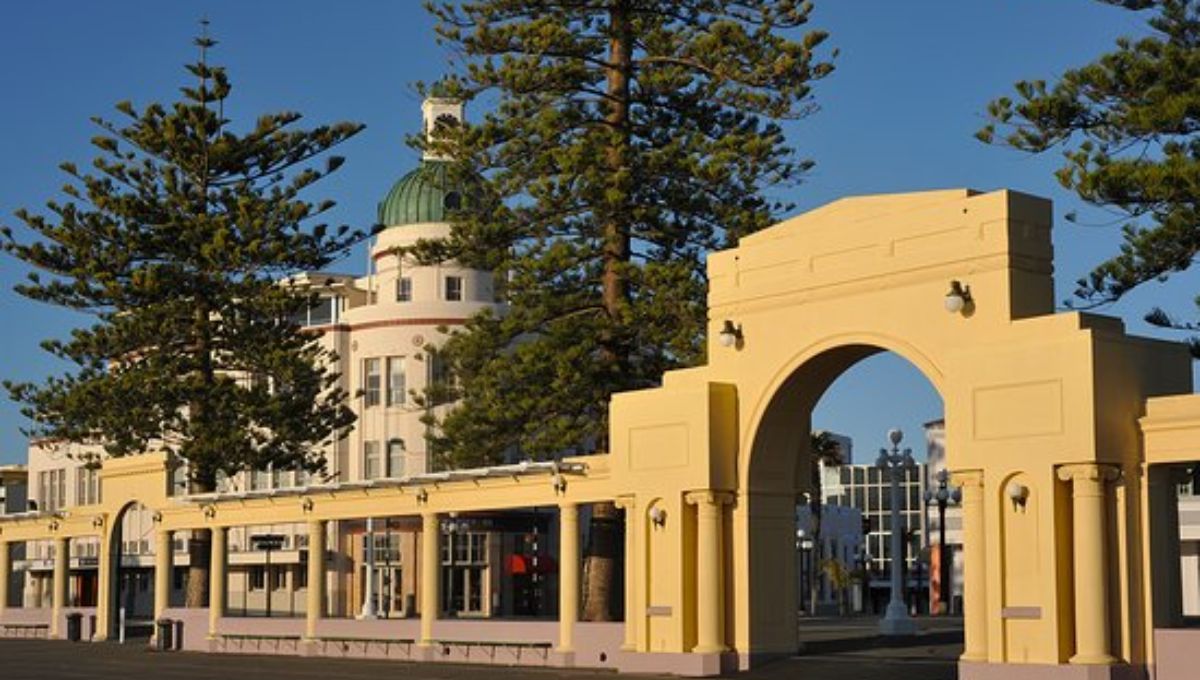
(834, 649)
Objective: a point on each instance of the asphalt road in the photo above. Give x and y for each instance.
(833, 649)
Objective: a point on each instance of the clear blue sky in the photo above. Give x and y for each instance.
(898, 115)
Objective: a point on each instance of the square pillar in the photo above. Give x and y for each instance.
(431, 572)
(58, 596)
(163, 565)
(568, 576)
(314, 609)
(217, 582)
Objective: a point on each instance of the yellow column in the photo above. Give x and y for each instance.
(1090, 560)
(216, 579)
(5, 574)
(629, 505)
(162, 572)
(568, 575)
(314, 610)
(710, 593)
(62, 557)
(431, 572)
(974, 566)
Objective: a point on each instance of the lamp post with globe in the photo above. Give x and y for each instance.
(895, 462)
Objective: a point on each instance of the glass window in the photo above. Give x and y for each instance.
(404, 289)
(300, 576)
(395, 458)
(371, 461)
(478, 548)
(371, 382)
(321, 313)
(280, 478)
(454, 288)
(260, 479)
(397, 382)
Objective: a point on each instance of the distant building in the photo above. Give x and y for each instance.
(841, 542)
(866, 488)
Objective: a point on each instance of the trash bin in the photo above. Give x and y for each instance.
(74, 627)
(164, 635)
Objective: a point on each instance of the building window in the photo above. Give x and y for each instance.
(397, 384)
(52, 489)
(321, 313)
(300, 576)
(404, 289)
(464, 568)
(87, 486)
(454, 289)
(371, 460)
(371, 382)
(395, 459)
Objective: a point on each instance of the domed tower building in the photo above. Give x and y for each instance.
(384, 327)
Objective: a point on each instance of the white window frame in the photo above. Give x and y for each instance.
(372, 382)
(396, 389)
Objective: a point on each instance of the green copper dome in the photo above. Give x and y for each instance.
(426, 194)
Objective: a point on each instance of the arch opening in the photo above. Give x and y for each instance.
(800, 513)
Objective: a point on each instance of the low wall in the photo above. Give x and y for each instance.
(597, 644)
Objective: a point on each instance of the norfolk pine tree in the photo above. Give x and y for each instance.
(1128, 125)
(629, 138)
(175, 243)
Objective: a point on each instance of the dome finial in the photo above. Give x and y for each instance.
(438, 113)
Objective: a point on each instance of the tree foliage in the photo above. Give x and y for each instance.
(1127, 125)
(628, 138)
(174, 242)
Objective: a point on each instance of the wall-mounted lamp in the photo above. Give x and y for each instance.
(54, 525)
(98, 521)
(307, 505)
(959, 300)
(1019, 493)
(560, 484)
(422, 496)
(658, 516)
(210, 511)
(156, 518)
(730, 335)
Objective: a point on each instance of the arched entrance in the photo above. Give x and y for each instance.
(777, 472)
(129, 583)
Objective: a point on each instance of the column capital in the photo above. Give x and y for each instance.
(967, 478)
(1088, 472)
(627, 502)
(708, 497)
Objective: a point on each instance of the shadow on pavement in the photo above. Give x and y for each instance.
(879, 643)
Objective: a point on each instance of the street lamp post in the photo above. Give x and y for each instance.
(943, 497)
(896, 620)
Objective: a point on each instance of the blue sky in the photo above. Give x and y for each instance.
(911, 83)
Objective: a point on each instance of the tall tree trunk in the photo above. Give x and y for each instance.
(202, 479)
(600, 570)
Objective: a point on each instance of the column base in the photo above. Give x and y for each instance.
(897, 626)
(1092, 660)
